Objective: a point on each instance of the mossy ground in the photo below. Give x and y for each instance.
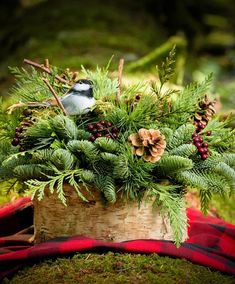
(118, 268)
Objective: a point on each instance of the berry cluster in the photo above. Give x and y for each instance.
(102, 128)
(202, 147)
(19, 131)
(200, 125)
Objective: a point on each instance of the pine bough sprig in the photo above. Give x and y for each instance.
(151, 142)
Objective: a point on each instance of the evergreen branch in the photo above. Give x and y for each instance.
(25, 172)
(62, 159)
(229, 159)
(166, 71)
(205, 198)
(85, 147)
(107, 186)
(109, 157)
(171, 204)
(184, 150)
(107, 145)
(64, 127)
(182, 135)
(170, 165)
(227, 172)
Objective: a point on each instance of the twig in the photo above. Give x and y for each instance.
(55, 95)
(46, 64)
(45, 69)
(120, 69)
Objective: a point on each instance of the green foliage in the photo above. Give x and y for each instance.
(107, 145)
(171, 204)
(169, 165)
(185, 104)
(182, 135)
(184, 150)
(29, 87)
(104, 87)
(59, 149)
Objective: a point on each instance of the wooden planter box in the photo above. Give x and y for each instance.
(118, 222)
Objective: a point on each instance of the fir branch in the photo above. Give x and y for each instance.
(182, 135)
(171, 204)
(107, 145)
(64, 127)
(62, 159)
(87, 176)
(26, 172)
(109, 157)
(106, 185)
(84, 147)
(205, 198)
(192, 178)
(184, 150)
(169, 165)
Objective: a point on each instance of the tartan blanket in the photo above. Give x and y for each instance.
(211, 242)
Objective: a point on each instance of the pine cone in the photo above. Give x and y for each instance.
(148, 143)
(207, 110)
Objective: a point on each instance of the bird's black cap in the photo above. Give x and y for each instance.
(85, 81)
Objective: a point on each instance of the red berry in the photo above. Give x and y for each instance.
(17, 134)
(15, 142)
(198, 144)
(98, 125)
(109, 124)
(92, 138)
(94, 130)
(205, 145)
(196, 139)
(108, 136)
(209, 133)
(98, 134)
(204, 156)
(195, 135)
(19, 129)
(115, 130)
(114, 135)
(202, 150)
(200, 139)
(90, 127)
(103, 122)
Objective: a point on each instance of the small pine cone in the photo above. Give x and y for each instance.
(148, 143)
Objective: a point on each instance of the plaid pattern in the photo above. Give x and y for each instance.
(211, 243)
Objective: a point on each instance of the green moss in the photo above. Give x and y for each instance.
(118, 268)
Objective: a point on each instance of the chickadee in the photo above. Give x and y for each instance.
(79, 99)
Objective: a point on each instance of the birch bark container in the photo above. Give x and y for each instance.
(118, 222)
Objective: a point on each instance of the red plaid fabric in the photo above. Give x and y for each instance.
(211, 243)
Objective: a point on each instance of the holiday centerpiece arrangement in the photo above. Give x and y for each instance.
(109, 160)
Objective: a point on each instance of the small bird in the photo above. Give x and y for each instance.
(79, 99)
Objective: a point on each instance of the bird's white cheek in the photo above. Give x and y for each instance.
(81, 87)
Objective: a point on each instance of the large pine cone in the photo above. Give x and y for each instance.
(148, 143)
